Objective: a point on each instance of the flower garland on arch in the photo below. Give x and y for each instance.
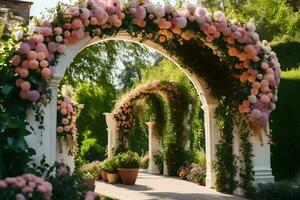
(124, 109)
(66, 123)
(41, 46)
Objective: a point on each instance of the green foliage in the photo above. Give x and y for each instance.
(128, 159)
(247, 152)
(276, 191)
(111, 165)
(288, 54)
(225, 165)
(12, 142)
(96, 100)
(159, 161)
(90, 150)
(285, 130)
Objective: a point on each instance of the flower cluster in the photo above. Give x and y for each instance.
(259, 66)
(91, 196)
(66, 121)
(27, 186)
(124, 110)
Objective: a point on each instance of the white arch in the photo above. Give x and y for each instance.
(49, 148)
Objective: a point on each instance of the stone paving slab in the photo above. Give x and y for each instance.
(154, 187)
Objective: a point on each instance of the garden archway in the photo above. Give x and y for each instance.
(244, 66)
(209, 105)
(51, 150)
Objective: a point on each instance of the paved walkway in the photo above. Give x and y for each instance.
(153, 187)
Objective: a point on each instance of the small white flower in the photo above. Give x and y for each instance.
(252, 98)
(259, 76)
(59, 38)
(19, 35)
(251, 27)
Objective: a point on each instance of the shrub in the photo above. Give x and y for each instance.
(91, 170)
(128, 160)
(196, 174)
(66, 185)
(277, 191)
(112, 165)
(91, 150)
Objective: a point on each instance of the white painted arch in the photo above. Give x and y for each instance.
(49, 146)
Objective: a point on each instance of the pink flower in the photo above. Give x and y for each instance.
(25, 86)
(85, 13)
(44, 63)
(16, 60)
(20, 197)
(62, 171)
(23, 73)
(65, 121)
(67, 128)
(77, 23)
(140, 12)
(61, 48)
(46, 31)
(33, 64)
(159, 11)
(74, 11)
(46, 72)
(168, 8)
(32, 55)
(52, 47)
(33, 95)
(181, 22)
(41, 56)
(57, 30)
(24, 48)
(39, 38)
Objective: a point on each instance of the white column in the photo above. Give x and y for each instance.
(262, 158)
(154, 148)
(111, 133)
(44, 140)
(236, 151)
(211, 139)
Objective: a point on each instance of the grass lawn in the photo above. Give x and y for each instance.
(285, 123)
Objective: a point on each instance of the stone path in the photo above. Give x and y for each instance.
(153, 187)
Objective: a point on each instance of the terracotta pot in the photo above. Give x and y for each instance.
(112, 177)
(104, 176)
(128, 176)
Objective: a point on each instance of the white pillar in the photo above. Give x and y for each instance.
(44, 140)
(237, 152)
(262, 158)
(211, 139)
(154, 148)
(111, 133)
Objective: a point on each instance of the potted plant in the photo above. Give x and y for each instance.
(128, 167)
(104, 168)
(112, 170)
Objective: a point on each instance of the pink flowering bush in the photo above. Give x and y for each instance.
(27, 186)
(66, 122)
